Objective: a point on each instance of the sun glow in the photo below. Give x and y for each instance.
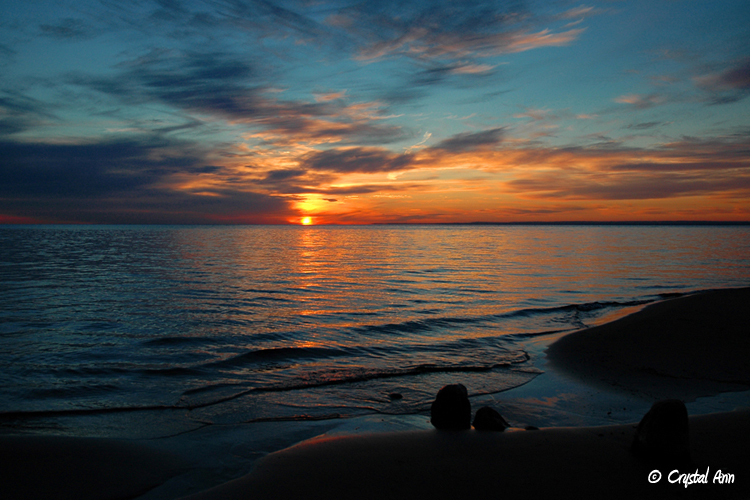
(306, 221)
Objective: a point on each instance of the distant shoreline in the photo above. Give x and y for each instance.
(366, 224)
(570, 223)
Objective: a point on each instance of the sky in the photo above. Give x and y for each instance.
(345, 112)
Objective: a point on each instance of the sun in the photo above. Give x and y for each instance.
(306, 221)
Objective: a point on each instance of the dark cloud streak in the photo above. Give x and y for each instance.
(87, 170)
(359, 160)
(469, 141)
(19, 113)
(432, 29)
(728, 86)
(67, 29)
(221, 84)
(120, 182)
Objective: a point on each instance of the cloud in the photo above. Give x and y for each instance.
(729, 85)
(438, 30)
(422, 44)
(19, 113)
(734, 78)
(357, 160)
(617, 188)
(471, 69)
(522, 42)
(737, 77)
(208, 82)
(283, 175)
(211, 20)
(578, 12)
(67, 29)
(90, 170)
(536, 114)
(546, 181)
(640, 101)
(135, 181)
(439, 73)
(226, 86)
(469, 141)
(645, 125)
(690, 167)
(262, 15)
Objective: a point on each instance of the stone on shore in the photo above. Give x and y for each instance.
(451, 409)
(489, 419)
(663, 433)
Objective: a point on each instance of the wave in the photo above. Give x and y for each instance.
(74, 391)
(428, 324)
(171, 341)
(93, 371)
(584, 307)
(308, 381)
(420, 325)
(279, 354)
(343, 376)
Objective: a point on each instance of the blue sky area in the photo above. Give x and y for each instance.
(238, 111)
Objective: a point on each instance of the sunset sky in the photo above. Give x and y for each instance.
(241, 111)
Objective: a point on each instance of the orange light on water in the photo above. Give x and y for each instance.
(306, 221)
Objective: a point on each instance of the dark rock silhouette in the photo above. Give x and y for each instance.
(663, 434)
(489, 419)
(451, 409)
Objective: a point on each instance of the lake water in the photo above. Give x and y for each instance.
(168, 327)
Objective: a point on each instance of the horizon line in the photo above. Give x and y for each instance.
(472, 223)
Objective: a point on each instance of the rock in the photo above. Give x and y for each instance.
(488, 419)
(451, 409)
(663, 433)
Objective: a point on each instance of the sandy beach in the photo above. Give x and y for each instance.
(592, 462)
(682, 348)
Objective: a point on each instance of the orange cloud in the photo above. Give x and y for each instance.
(641, 101)
(479, 177)
(419, 42)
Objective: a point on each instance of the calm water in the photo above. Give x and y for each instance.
(239, 324)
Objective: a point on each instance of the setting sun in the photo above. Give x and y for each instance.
(306, 221)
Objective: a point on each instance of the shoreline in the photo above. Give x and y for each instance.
(363, 457)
